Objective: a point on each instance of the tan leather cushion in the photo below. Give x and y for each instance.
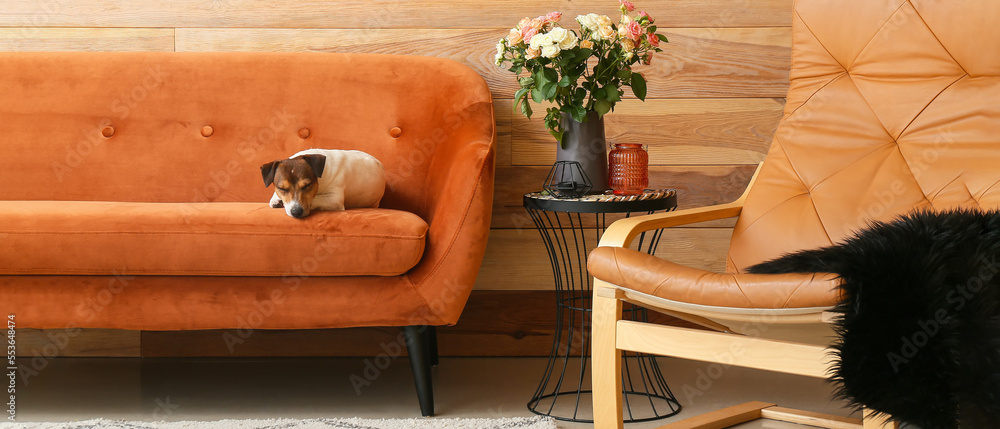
(892, 106)
(208, 239)
(654, 276)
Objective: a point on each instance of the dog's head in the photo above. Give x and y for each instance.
(296, 181)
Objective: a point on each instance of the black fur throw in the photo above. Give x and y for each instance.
(920, 336)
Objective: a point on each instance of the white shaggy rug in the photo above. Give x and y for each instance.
(355, 423)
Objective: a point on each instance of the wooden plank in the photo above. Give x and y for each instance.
(721, 62)
(768, 355)
(810, 418)
(77, 342)
(697, 186)
(503, 114)
(874, 420)
(86, 39)
(698, 62)
(373, 13)
(519, 323)
(724, 418)
(677, 132)
(516, 258)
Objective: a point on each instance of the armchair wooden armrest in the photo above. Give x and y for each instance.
(622, 232)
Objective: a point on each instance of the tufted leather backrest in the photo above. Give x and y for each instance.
(195, 127)
(893, 105)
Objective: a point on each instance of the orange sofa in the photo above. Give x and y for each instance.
(132, 195)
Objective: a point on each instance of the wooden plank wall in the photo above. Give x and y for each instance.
(715, 98)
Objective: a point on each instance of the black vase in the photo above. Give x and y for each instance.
(584, 142)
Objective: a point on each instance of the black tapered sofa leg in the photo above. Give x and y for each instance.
(418, 345)
(432, 340)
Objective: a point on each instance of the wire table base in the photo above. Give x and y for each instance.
(570, 230)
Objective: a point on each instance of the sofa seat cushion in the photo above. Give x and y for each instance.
(206, 239)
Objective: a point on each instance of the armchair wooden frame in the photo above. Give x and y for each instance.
(611, 335)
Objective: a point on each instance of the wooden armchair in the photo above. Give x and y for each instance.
(891, 107)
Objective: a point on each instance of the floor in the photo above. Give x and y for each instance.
(210, 389)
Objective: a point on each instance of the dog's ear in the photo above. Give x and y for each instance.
(317, 162)
(267, 170)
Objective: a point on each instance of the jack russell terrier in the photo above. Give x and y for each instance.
(324, 179)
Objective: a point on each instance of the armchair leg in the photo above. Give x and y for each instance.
(419, 347)
(606, 370)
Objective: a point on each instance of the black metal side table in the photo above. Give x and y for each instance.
(569, 236)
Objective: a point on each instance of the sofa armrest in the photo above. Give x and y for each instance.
(458, 208)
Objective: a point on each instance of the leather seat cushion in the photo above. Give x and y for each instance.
(207, 239)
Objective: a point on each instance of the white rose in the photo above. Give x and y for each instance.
(500, 47)
(569, 42)
(602, 20)
(499, 59)
(558, 34)
(589, 20)
(541, 41)
(550, 51)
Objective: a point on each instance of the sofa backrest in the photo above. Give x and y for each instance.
(195, 127)
(893, 106)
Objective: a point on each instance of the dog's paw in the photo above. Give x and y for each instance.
(276, 202)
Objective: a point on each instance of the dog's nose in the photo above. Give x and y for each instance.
(297, 212)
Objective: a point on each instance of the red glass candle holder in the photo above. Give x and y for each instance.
(628, 169)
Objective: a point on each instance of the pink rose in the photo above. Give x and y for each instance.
(627, 5)
(524, 23)
(643, 13)
(538, 23)
(527, 33)
(634, 31)
(652, 39)
(553, 16)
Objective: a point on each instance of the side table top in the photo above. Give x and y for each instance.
(649, 200)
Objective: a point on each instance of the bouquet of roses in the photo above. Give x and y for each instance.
(556, 62)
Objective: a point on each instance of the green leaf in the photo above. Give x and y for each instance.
(526, 82)
(550, 75)
(549, 90)
(558, 135)
(602, 107)
(526, 108)
(539, 78)
(537, 95)
(600, 94)
(583, 54)
(612, 94)
(564, 82)
(519, 95)
(579, 113)
(662, 38)
(624, 74)
(639, 86)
